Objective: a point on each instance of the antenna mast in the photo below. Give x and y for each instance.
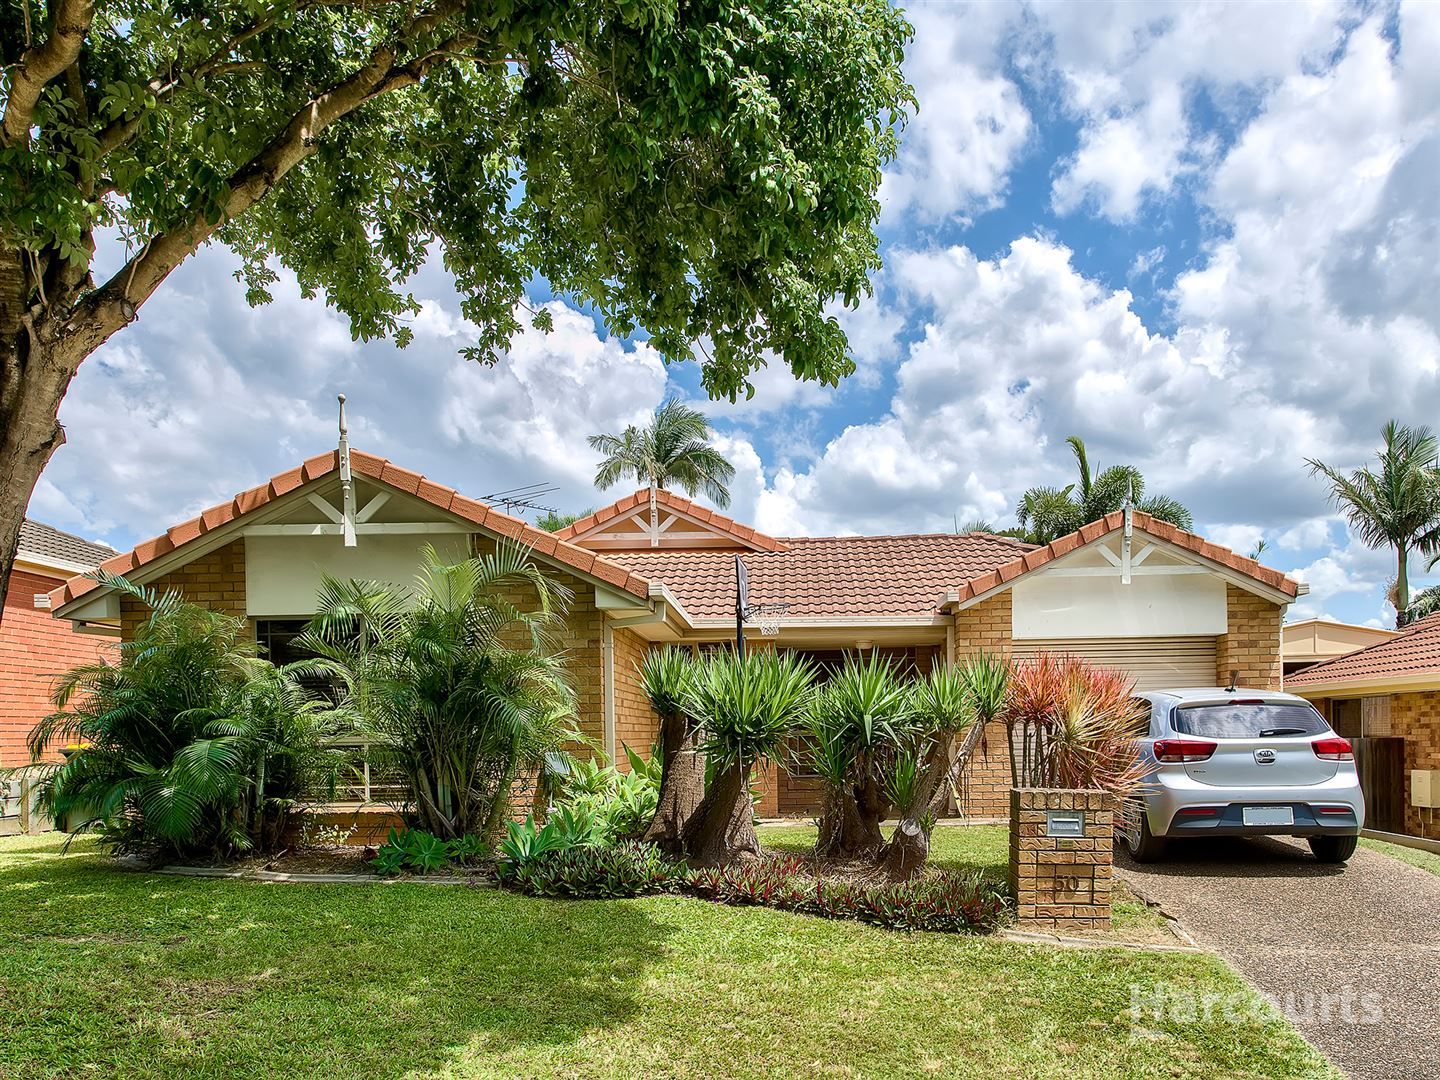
(347, 487)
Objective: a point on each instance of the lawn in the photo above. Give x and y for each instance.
(1425, 860)
(116, 972)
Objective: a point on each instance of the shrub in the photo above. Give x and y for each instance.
(622, 804)
(609, 872)
(945, 901)
(191, 743)
(424, 852)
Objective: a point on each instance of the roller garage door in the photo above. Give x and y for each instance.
(1155, 663)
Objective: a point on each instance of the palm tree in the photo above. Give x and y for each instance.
(674, 449)
(1046, 512)
(1397, 506)
(191, 743)
(455, 681)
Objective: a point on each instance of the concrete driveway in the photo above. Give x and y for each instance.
(1314, 937)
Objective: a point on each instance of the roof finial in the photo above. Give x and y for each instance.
(347, 488)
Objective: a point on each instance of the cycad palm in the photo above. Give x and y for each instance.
(454, 681)
(673, 449)
(1047, 513)
(1397, 506)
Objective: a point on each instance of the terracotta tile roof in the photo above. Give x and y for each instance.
(1414, 651)
(744, 534)
(1161, 530)
(376, 468)
(43, 543)
(853, 577)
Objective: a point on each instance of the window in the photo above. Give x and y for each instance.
(1248, 721)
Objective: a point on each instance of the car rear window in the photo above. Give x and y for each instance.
(1241, 721)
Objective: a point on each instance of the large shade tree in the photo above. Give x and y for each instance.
(673, 450)
(704, 171)
(1045, 513)
(1396, 504)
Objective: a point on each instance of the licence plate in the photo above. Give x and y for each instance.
(1268, 815)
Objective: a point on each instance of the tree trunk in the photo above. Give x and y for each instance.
(34, 376)
(1402, 584)
(722, 828)
(682, 783)
(909, 847)
(850, 826)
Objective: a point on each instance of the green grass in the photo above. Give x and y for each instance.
(110, 972)
(1425, 860)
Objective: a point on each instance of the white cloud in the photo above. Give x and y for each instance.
(971, 125)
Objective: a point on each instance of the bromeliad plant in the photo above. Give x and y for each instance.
(454, 681)
(191, 743)
(747, 704)
(1073, 725)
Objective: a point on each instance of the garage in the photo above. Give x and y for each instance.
(1154, 662)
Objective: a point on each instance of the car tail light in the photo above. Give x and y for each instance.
(1198, 811)
(1171, 751)
(1336, 749)
(1333, 810)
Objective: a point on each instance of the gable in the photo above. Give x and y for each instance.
(669, 522)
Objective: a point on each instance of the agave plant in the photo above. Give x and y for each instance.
(191, 743)
(455, 681)
(747, 705)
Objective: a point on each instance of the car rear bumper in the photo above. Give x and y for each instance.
(1226, 806)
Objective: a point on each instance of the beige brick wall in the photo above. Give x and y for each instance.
(1061, 883)
(1416, 717)
(1251, 644)
(636, 724)
(216, 580)
(985, 783)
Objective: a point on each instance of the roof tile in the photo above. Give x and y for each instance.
(745, 534)
(1414, 651)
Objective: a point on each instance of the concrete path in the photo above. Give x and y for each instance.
(1314, 938)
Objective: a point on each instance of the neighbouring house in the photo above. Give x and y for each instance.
(34, 648)
(654, 568)
(1385, 698)
(1313, 641)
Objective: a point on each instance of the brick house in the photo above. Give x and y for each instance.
(34, 648)
(1127, 591)
(1386, 698)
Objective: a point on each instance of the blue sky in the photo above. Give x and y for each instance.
(1206, 238)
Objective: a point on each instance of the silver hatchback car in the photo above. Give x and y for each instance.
(1227, 762)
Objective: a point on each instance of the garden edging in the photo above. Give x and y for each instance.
(315, 879)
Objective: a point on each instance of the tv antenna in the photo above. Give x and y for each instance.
(524, 497)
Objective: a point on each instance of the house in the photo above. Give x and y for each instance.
(1386, 699)
(34, 648)
(654, 568)
(1313, 641)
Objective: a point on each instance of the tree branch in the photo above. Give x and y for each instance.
(114, 304)
(68, 27)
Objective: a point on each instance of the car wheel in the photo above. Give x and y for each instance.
(1333, 849)
(1143, 845)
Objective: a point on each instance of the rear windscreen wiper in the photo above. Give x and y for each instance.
(1266, 733)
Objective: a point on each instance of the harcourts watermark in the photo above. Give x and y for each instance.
(1162, 1003)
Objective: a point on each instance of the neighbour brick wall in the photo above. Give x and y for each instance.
(216, 580)
(636, 724)
(1251, 644)
(1416, 717)
(1061, 883)
(35, 649)
(985, 783)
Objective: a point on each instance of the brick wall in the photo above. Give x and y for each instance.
(1061, 883)
(35, 648)
(1416, 717)
(636, 724)
(216, 581)
(1251, 644)
(985, 783)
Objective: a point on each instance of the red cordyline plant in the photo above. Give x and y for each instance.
(1072, 725)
